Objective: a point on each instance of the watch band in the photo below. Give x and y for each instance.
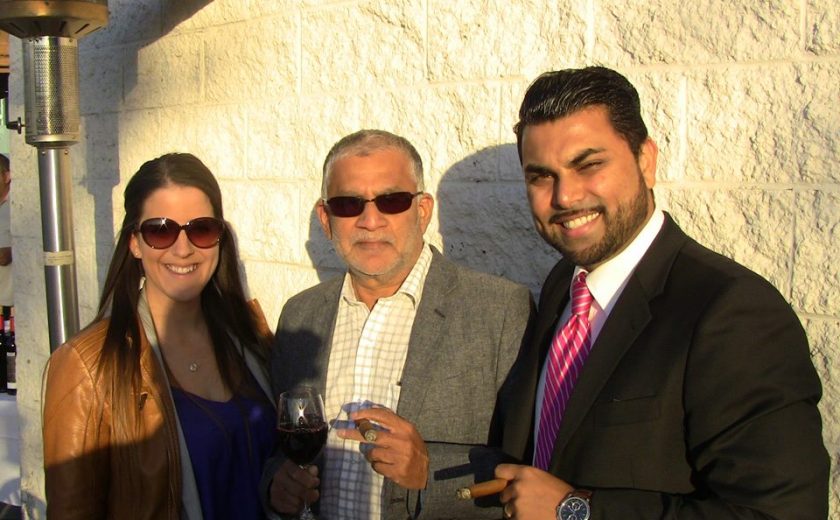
(580, 493)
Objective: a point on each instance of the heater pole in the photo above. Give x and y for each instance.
(59, 257)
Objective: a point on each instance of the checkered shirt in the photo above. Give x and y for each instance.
(368, 353)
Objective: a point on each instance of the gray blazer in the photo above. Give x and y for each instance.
(467, 332)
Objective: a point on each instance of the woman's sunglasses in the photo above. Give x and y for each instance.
(162, 232)
(389, 203)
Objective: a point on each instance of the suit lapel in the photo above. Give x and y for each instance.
(629, 316)
(525, 375)
(553, 299)
(423, 346)
(324, 329)
(303, 343)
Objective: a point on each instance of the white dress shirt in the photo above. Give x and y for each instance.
(369, 348)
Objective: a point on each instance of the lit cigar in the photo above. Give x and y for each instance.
(367, 429)
(482, 489)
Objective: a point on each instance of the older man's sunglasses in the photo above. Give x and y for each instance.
(162, 232)
(388, 203)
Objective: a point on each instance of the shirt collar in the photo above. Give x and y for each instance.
(412, 286)
(607, 280)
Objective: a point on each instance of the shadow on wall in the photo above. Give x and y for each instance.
(31, 505)
(101, 133)
(485, 221)
(321, 251)
(240, 265)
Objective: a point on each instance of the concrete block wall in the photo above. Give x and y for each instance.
(742, 98)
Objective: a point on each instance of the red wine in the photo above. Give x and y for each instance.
(302, 444)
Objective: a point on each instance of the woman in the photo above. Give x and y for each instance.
(160, 408)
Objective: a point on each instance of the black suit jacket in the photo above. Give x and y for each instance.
(699, 399)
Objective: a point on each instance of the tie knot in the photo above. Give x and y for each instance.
(581, 297)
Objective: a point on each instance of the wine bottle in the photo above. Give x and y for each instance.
(3, 369)
(11, 355)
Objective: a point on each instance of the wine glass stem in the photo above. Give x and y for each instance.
(306, 513)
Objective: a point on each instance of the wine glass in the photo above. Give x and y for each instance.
(302, 429)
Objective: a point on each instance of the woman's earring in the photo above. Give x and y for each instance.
(142, 283)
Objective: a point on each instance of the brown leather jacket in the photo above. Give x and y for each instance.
(79, 457)
(88, 476)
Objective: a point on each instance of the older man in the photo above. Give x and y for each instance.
(665, 380)
(428, 342)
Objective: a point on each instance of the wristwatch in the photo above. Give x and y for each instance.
(575, 506)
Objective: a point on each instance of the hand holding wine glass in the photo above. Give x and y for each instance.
(302, 429)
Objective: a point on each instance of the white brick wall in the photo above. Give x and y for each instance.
(742, 99)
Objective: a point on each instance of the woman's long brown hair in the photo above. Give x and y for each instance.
(223, 302)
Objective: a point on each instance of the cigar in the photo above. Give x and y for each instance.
(482, 489)
(367, 429)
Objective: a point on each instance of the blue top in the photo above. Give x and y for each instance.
(228, 443)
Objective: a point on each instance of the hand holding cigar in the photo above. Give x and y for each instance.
(367, 429)
(482, 489)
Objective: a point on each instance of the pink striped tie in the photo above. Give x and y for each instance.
(565, 360)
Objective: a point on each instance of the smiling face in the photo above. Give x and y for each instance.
(589, 195)
(376, 246)
(177, 274)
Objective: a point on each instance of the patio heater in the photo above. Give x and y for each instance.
(50, 30)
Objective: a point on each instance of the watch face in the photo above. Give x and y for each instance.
(573, 508)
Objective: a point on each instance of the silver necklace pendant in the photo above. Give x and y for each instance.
(193, 366)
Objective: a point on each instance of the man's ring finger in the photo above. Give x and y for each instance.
(506, 511)
(367, 430)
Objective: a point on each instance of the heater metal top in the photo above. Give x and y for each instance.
(68, 18)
